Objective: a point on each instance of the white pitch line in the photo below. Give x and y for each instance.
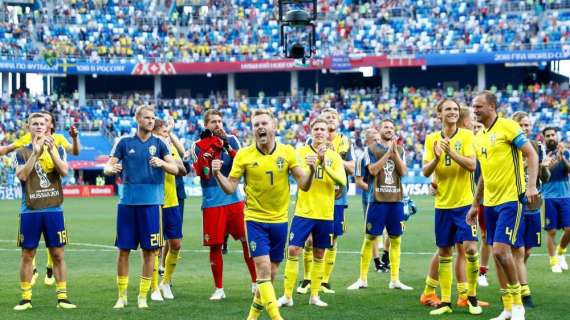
(106, 248)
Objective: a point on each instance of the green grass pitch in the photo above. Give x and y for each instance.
(91, 282)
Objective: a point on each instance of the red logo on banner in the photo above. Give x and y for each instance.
(153, 68)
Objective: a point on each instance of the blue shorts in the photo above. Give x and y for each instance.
(532, 229)
(339, 226)
(451, 227)
(389, 215)
(266, 239)
(322, 231)
(181, 209)
(51, 224)
(557, 213)
(171, 223)
(139, 225)
(504, 224)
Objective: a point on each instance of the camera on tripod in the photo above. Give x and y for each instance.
(298, 32)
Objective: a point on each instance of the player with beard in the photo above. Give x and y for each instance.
(362, 178)
(222, 213)
(265, 166)
(557, 199)
(385, 162)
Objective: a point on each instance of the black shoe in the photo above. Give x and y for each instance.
(377, 264)
(527, 301)
(304, 283)
(49, 272)
(383, 269)
(225, 248)
(326, 288)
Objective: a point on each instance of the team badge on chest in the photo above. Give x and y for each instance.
(152, 150)
(280, 162)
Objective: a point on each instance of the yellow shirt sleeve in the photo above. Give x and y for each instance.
(60, 141)
(428, 149)
(511, 129)
(469, 147)
(238, 168)
(23, 140)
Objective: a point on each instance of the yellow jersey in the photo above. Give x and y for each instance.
(26, 139)
(455, 184)
(341, 145)
(170, 196)
(318, 202)
(498, 152)
(266, 178)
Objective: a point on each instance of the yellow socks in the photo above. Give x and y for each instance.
(515, 292)
(365, 257)
(472, 274)
(560, 251)
(317, 276)
(307, 262)
(507, 299)
(61, 290)
(154, 281)
(122, 284)
(290, 277)
(525, 290)
(170, 264)
(144, 286)
(268, 299)
(462, 290)
(553, 260)
(395, 243)
(255, 309)
(26, 290)
(330, 259)
(431, 284)
(445, 277)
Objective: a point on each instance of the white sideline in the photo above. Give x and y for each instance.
(106, 248)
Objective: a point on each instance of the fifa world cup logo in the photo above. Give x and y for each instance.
(389, 167)
(44, 181)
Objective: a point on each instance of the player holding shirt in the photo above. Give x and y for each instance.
(143, 160)
(59, 141)
(222, 213)
(500, 148)
(451, 156)
(314, 212)
(342, 145)
(385, 209)
(171, 219)
(265, 166)
(39, 167)
(557, 199)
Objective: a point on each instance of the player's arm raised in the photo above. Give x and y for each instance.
(75, 147)
(305, 179)
(432, 154)
(401, 167)
(228, 185)
(375, 167)
(532, 170)
(337, 174)
(4, 150)
(23, 171)
(466, 162)
(59, 164)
